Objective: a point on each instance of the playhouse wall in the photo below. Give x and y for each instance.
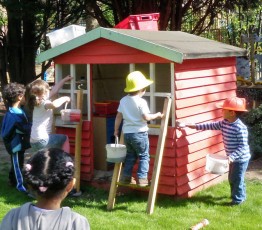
(87, 158)
(103, 51)
(199, 86)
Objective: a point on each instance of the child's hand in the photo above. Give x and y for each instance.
(68, 78)
(67, 99)
(180, 124)
(160, 115)
(191, 125)
(229, 160)
(184, 125)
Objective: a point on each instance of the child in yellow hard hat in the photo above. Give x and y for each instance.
(235, 138)
(134, 112)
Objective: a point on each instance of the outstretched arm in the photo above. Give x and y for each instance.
(59, 85)
(57, 103)
(152, 116)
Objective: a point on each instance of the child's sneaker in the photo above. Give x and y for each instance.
(74, 193)
(143, 182)
(127, 180)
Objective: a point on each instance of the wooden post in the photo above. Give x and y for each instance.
(115, 180)
(252, 57)
(78, 141)
(159, 156)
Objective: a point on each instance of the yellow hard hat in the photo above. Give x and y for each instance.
(234, 103)
(136, 81)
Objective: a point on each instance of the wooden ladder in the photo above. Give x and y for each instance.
(157, 165)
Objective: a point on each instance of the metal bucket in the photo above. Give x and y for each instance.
(216, 164)
(116, 153)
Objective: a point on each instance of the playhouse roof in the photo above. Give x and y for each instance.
(175, 46)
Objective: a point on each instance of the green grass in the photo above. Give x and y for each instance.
(169, 213)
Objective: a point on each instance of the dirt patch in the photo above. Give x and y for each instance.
(255, 169)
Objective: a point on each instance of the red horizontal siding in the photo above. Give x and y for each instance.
(185, 93)
(210, 80)
(199, 87)
(197, 155)
(198, 109)
(211, 143)
(87, 168)
(103, 51)
(203, 186)
(199, 136)
(202, 117)
(213, 97)
(215, 71)
(167, 189)
(187, 131)
(184, 169)
(190, 176)
(205, 64)
(195, 183)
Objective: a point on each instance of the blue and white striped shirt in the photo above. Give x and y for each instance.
(235, 138)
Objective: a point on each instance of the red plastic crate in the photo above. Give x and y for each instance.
(106, 108)
(140, 22)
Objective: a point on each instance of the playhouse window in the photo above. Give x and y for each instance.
(102, 82)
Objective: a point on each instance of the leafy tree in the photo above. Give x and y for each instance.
(3, 23)
(193, 16)
(28, 23)
(30, 20)
(253, 121)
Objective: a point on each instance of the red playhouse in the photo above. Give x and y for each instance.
(195, 72)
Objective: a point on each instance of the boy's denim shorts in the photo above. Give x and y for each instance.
(55, 141)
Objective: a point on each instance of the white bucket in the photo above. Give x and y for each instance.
(70, 116)
(116, 153)
(216, 164)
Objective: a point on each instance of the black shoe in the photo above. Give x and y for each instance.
(11, 184)
(74, 193)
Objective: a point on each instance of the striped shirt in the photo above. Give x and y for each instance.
(235, 138)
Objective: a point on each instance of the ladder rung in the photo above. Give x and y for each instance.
(133, 186)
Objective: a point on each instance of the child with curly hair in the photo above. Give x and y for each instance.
(41, 104)
(49, 175)
(15, 131)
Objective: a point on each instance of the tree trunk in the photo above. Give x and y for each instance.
(3, 58)
(14, 40)
(29, 47)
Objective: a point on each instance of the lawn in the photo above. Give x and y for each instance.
(169, 213)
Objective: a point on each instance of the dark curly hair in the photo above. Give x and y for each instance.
(10, 93)
(49, 171)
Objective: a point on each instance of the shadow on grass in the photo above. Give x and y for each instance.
(97, 197)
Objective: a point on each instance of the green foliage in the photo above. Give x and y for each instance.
(253, 119)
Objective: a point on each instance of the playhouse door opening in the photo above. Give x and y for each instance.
(108, 83)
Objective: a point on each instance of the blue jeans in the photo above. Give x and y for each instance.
(236, 178)
(55, 141)
(137, 146)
